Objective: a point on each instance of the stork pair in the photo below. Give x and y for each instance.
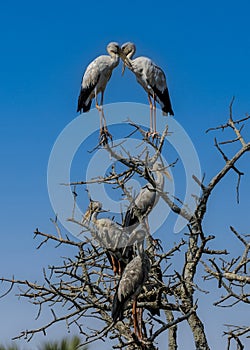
(148, 74)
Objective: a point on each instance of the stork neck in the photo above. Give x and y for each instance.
(94, 217)
(140, 248)
(159, 181)
(115, 58)
(130, 54)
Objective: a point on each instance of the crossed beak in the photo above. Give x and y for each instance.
(126, 61)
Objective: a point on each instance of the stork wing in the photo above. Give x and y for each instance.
(142, 205)
(157, 81)
(130, 282)
(89, 82)
(100, 66)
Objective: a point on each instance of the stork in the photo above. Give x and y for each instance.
(131, 282)
(151, 78)
(146, 200)
(111, 236)
(94, 81)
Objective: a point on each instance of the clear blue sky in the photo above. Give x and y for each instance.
(45, 47)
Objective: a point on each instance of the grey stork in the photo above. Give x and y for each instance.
(151, 78)
(132, 280)
(110, 236)
(146, 200)
(94, 81)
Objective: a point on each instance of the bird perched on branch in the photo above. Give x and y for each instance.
(110, 236)
(131, 282)
(151, 78)
(146, 200)
(94, 81)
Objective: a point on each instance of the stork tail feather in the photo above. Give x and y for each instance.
(164, 100)
(82, 105)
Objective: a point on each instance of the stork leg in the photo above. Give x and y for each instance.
(114, 267)
(102, 113)
(100, 110)
(135, 315)
(139, 318)
(104, 133)
(105, 128)
(155, 133)
(150, 116)
(119, 268)
(99, 107)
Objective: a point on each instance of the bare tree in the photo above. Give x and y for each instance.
(83, 285)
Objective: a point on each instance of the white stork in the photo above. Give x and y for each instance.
(131, 282)
(94, 81)
(111, 236)
(146, 200)
(151, 78)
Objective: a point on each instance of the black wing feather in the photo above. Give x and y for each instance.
(117, 308)
(85, 93)
(82, 106)
(130, 218)
(83, 96)
(165, 99)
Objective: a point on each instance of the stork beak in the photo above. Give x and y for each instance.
(125, 59)
(89, 212)
(123, 68)
(86, 216)
(167, 173)
(164, 171)
(103, 211)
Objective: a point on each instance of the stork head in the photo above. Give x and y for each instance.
(159, 167)
(94, 207)
(113, 48)
(127, 50)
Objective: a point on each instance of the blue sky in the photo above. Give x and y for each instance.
(204, 48)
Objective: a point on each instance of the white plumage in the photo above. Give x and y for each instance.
(150, 77)
(96, 77)
(94, 81)
(110, 236)
(146, 200)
